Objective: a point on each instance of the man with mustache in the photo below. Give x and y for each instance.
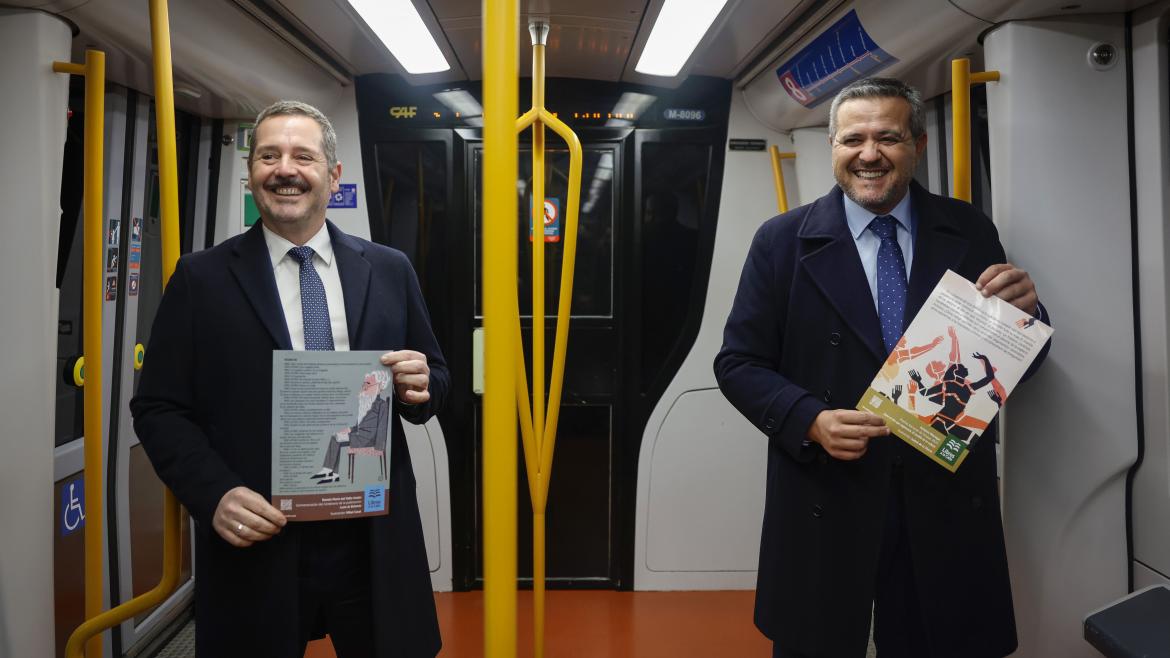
(203, 412)
(855, 521)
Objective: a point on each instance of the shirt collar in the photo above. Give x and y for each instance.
(859, 218)
(278, 246)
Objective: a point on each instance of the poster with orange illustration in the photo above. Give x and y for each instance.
(953, 369)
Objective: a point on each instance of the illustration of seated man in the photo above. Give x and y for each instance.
(953, 393)
(371, 430)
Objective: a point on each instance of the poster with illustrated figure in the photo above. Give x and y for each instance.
(953, 369)
(330, 434)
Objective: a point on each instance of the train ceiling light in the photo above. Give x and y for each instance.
(678, 29)
(398, 24)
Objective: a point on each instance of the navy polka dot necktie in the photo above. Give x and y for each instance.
(314, 306)
(891, 280)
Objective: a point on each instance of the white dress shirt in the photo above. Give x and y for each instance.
(287, 271)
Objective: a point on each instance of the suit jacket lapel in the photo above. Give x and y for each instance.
(938, 246)
(252, 267)
(836, 268)
(354, 270)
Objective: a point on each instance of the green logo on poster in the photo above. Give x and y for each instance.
(950, 450)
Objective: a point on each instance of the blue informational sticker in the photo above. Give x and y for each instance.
(72, 506)
(346, 197)
(374, 499)
(841, 54)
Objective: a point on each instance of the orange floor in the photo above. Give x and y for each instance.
(607, 624)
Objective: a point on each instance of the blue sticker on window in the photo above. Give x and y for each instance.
(345, 197)
(72, 506)
(840, 55)
(374, 499)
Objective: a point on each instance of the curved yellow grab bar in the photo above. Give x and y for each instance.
(538, 422)
(961, 80)
(93, 241)
(88, 634)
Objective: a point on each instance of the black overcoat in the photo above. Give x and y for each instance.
(203, 414)
(803, 336)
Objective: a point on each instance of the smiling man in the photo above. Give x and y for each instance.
(203, 412)
(855, 521)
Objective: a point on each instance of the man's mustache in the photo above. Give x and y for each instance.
(292, 181)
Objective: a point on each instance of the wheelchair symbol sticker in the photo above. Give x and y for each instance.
(72, 506)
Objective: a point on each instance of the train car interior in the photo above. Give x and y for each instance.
(659, 481)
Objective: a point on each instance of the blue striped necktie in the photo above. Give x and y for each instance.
(314, 306)
(891, 280)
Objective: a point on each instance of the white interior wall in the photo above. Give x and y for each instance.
(695, 441)
(33, 134)
(1151, 486)
(814, 163)
(1064, 216)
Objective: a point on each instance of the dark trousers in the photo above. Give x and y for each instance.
(334, 579)
(898, 631)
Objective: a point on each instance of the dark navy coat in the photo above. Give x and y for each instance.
(803, 337)
(203, 412)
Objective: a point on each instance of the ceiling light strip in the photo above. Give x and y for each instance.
(400, 28)
(678, 29)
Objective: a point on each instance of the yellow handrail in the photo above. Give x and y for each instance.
(95, 624)
(93, 263)
(961, 80)
(500, 317)
(538, 427)
(778, 177)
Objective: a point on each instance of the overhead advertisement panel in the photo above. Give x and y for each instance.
(841, 54)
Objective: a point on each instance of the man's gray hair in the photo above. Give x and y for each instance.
(881, 88)
(382, 377)
(285, 108)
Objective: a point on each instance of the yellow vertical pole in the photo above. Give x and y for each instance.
(961, 128)
(164, 112)
(961, 81)
(778, 177)
(93, 266)
(539, 33)
(168, 162)
(500, 32)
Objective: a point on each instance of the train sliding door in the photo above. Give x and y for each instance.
(583, 490)
(653, 161)
(133, 494)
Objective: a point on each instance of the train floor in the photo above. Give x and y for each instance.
(591, 624)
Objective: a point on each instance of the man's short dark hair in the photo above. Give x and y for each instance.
(881, 88)
(285, 108)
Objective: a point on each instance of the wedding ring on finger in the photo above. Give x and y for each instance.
(239, 528)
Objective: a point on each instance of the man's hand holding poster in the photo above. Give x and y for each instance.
(953, 369)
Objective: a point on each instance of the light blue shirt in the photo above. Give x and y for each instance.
(868, 242)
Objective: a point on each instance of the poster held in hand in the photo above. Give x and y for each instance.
(953, 369)
(331, 434)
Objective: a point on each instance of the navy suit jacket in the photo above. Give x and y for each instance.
(203, 414)
(802, 337)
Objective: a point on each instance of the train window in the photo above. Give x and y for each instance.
(413, 176)
(674, 179)
(593, 278)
